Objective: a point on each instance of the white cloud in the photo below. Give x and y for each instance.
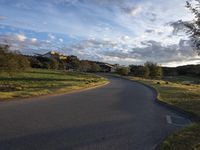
(61, 40)
(51, 36)
(21, 37)
(33, 40)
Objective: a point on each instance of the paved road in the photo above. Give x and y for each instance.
(119, 116)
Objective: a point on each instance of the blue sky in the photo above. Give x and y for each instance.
(115, 31)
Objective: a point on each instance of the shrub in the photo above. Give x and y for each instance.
(73, 63)
(84, 66)
(12, 61)
(155, 71)
(139, 71)
(53, 64)
(95, 67)
(122, 71)
(44, 62)
(23, 62)
(35, 63)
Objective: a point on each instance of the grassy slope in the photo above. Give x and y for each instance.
(37, 82)
(183, 96)
(186, 97)
(181, 79)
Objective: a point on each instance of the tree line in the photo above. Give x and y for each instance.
(13, 61)
(72, 62)
(188, 70)
(148, 70)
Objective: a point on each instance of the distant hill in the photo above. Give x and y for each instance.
(192, 70)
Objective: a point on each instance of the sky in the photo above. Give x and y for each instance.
(114, 31)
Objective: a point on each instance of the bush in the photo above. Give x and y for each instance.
(23, 62)
(89, 66)
(95, 67)
(53, 64)
(155, 71)
(35, 63)
(11, 61)
(123, 71)
(84, 66)
(73, 62)
(44, 62)
(139, 71)
(61, 65)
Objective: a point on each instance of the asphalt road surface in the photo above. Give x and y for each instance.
(119, 116)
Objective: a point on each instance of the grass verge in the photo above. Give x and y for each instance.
(36, 82)
(185, 97)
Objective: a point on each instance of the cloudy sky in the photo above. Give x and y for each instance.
(114, 31)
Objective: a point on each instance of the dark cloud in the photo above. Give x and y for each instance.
(152, 17)
(150, 51)
(101, 49)
(149, 31)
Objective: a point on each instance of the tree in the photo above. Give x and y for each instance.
(12, 61)
(61, 65)
(23, 62)
(139, 71)
(73, 62)
(123, 71)
(155, 71)
(35, 63)
(143, 71)
(192, 27)
(46, 63)
(95, 67)
(53, 63)
(84, 66)
(89, 66)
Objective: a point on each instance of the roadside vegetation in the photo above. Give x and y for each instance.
(12, 61)
(20, 79)
(35, 82)
(185, 139)
(122, 71)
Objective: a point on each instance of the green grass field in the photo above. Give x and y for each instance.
(37, 82)
(186, 97)
(182, 79)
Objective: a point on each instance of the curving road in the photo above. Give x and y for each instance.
(119, 116)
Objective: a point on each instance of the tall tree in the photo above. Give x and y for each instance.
(193, 27)
(155, 71)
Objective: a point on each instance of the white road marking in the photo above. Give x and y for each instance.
(169, 120)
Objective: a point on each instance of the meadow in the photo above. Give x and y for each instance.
(36, 82)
